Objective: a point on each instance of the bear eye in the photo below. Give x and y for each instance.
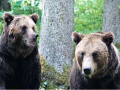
(82, 54)
(33, 29)
(24, 28)
(95, 54)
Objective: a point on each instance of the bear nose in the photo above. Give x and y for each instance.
(87, 71)
(35, 37)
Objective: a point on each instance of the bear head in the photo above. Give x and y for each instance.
(21, 29)
(92, 54)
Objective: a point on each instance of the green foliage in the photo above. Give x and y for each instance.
(119, 7)
(25, 7)
(1, 21)
(118, 46)
(88, 15)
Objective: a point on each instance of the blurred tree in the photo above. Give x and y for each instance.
(5, 5)
(111, 21)
(57, 25)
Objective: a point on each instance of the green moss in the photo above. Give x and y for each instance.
(118, 46)
(51, 79)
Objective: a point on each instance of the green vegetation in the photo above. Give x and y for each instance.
(88, 15)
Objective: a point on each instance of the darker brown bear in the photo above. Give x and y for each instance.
(19, 58)
(96, 64)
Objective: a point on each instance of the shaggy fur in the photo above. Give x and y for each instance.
(20, 66)
(108, 79)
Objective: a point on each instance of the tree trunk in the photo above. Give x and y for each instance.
(56, 30)
(5, 5)
(111, 21)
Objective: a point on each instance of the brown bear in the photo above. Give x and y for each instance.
(20, 66)
(96, 64)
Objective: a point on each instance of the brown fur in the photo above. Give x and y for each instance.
(105, 63)
(91, 43)
(20, 66)
(15, 29)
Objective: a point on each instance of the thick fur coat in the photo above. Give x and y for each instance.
(20, 66)
(108, 76)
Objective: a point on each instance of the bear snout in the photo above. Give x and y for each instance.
(35, 37)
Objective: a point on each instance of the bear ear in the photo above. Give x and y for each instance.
(108, 38)
(8, 18)
(34, 17)
(76, 37)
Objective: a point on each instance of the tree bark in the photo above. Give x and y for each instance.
(111, 21)
(56, 30)
(5, 5)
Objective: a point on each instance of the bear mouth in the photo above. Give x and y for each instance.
(32, 43)
(11, 37)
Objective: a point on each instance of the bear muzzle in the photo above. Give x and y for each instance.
(33, 41)
(35, 37)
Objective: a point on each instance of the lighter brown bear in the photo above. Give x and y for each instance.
(96, 64)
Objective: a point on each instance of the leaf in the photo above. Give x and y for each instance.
(45, 83)
(18, 3)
